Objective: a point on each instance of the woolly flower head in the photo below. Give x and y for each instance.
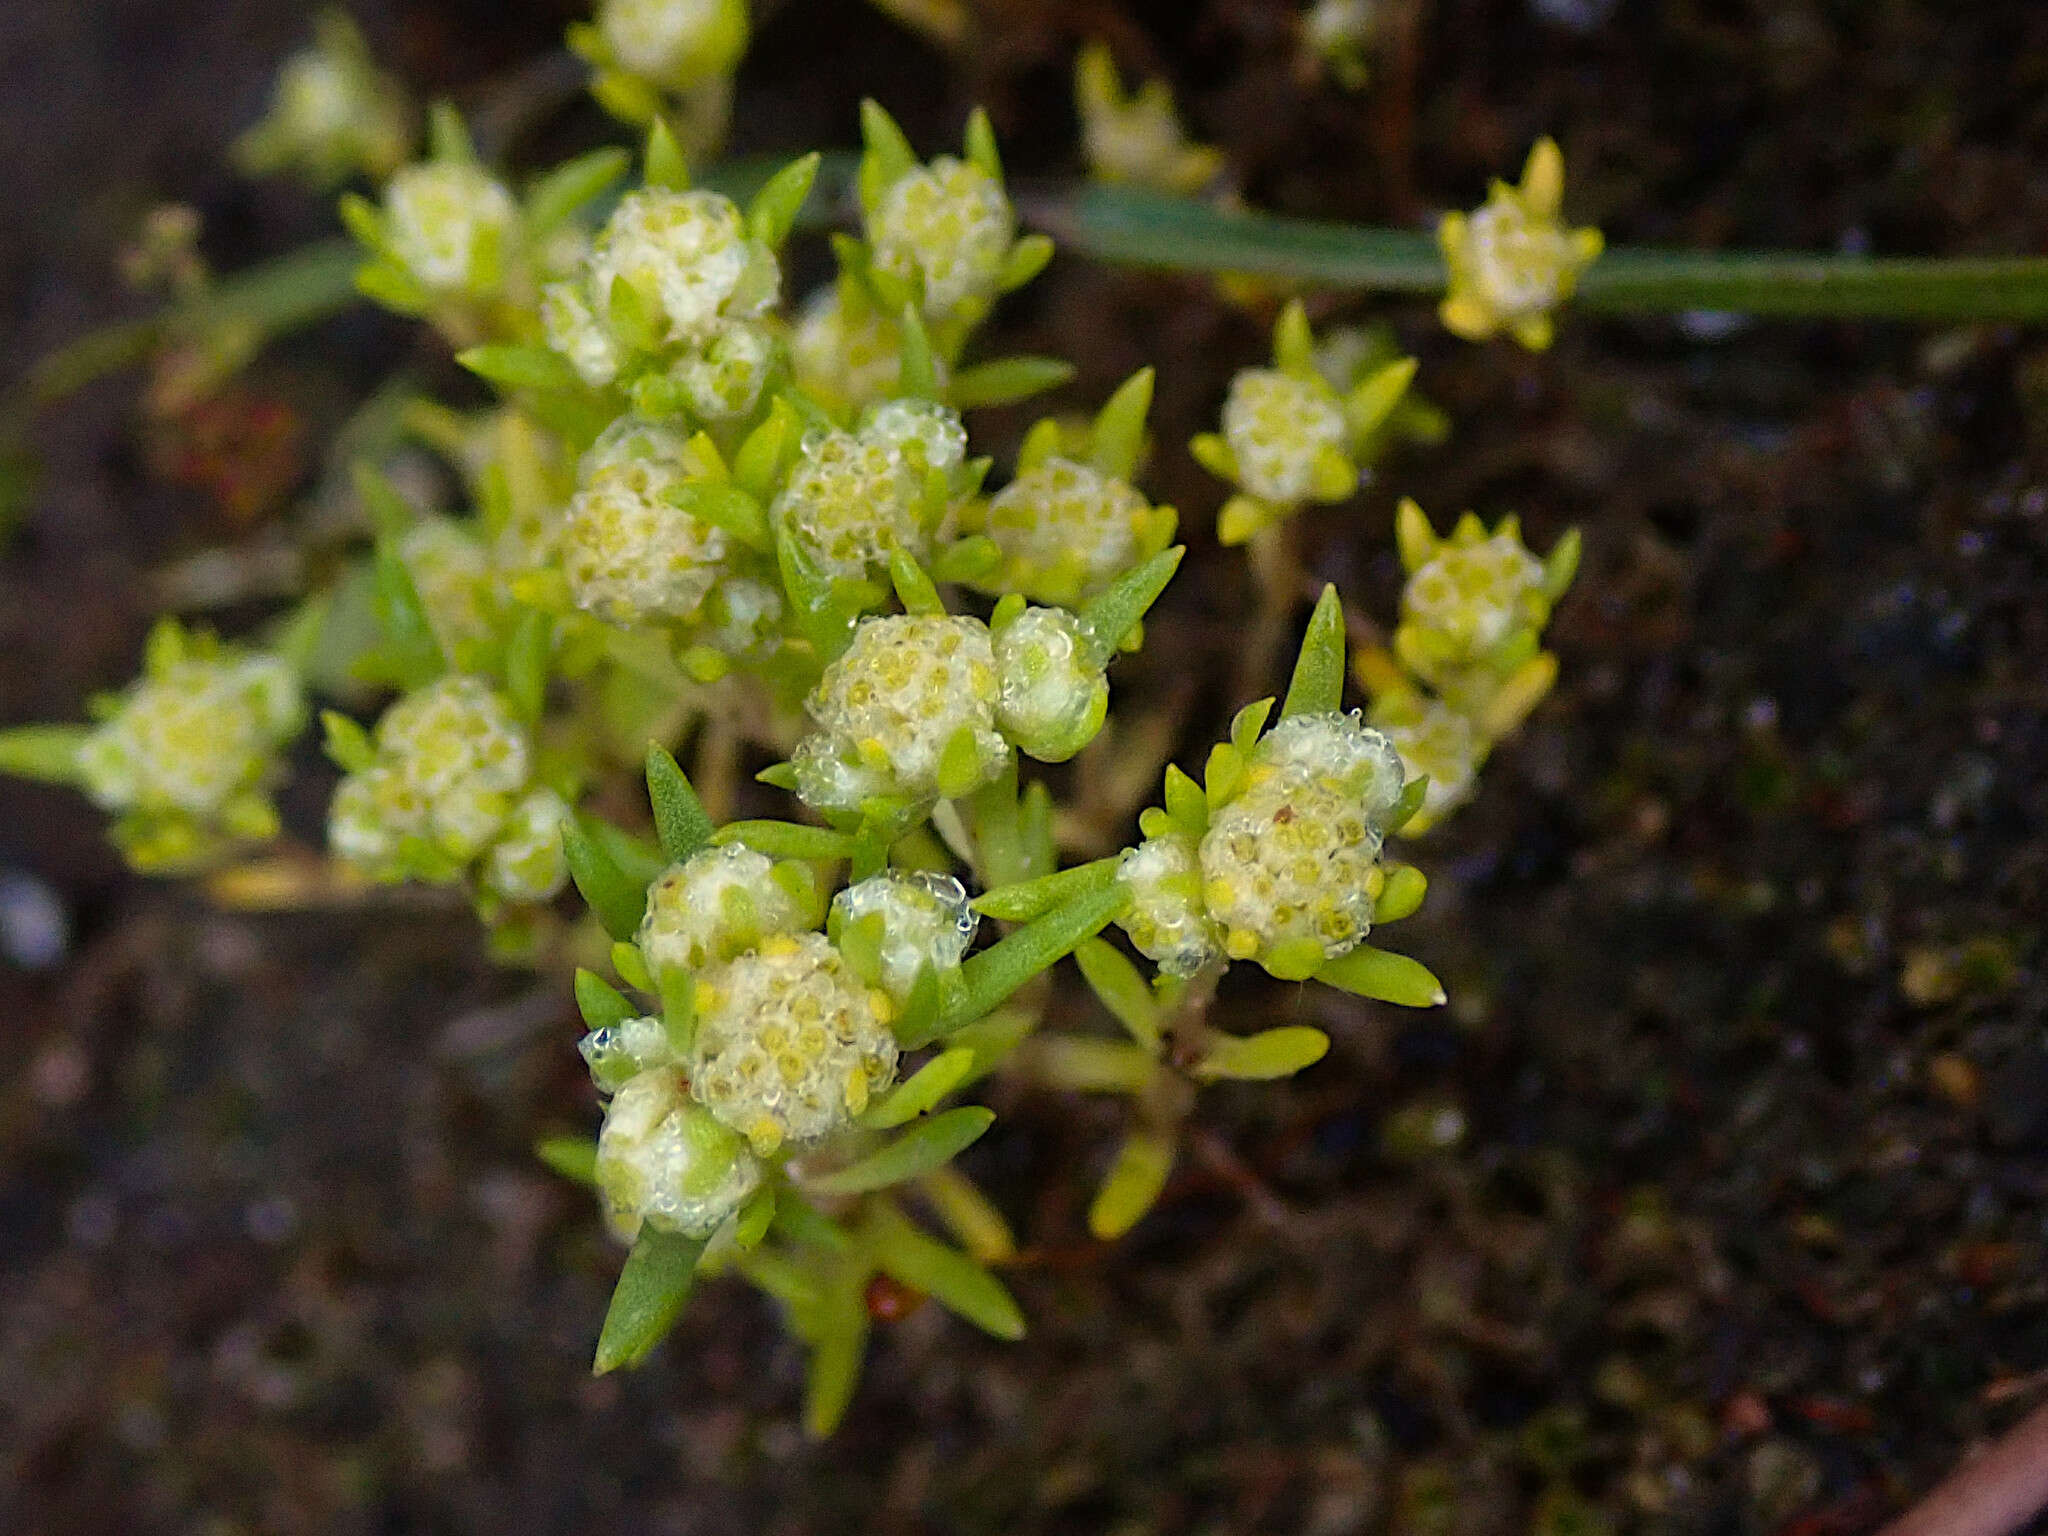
(718, 903)
(688, 255)
(1136, 138)
(908, 710)
(1067, 530)
(724, 378)
(573, 329)
(1167, 921)
(1436, 740)
(451, 225)
(1284, 430)
(674, 43)
(1290, 865)
(925, 922)
(1053, 695)
(333, 114)
(185, 754)
(1513, 261)
(844, 352)
(451, 571)
(452, 765)
(1471, 596)
(630, 555)
(950, 225)
(666, 1161)
(790, 1044)
(527, 863)
(923, 435)
(851, 500)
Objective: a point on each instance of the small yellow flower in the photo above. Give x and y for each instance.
(1136, 138)
(1512, 262)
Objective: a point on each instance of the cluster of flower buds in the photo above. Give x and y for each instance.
(1289, 437)
(1468, 662)
(671, 59)
(1136, 138)
(446, 788)
(630, 552)
(1513, 262)
(185, 757)
(334, 115)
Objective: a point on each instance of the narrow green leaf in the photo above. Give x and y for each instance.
(679, 816)
(981, 145)
(573, 1157)
(664, 164)
(510, 366)
(919, 376)
(1318, 684)
(888, 155)
(1270, 1054)
(916, 1094)
(1133, 1186)
(652, 1290)
(914, 588)
(838, 1350)
(1122, 990)
(615, 897)
(1382, 974)
(556, 197)
(47, 753)
(527, 655)
(722, 504)
(347, 744)
(1033, 898)
(788, 839)
(989, 977)
(1094, 1064)
(602, 1005)
(929, 1144)
(776, 207)
(1110, 618)
(1005, 381)
(1119, 435)
(408, 635)
(448, 136)
(945, 1274)
(390, 513)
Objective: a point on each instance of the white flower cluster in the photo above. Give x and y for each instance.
(1282, 428)
(925, 919)
(629, 553)
(844, 349)
(1288, 870)
(665, 1160)
(1067, 530)
(948, 227)
(853, 499)
(452, 784)
(452, 226)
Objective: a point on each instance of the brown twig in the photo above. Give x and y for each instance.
(1992, 1494)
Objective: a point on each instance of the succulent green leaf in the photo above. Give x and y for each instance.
(918, 1093)
(408, 635)
(919, 376)
(1248, 722)
(1094, 1064)
(1382, 974)
(665, 164)
(1561, 565)
(930, 1143)
(947, 1275)
(989, 977)
(1005, 381)
(1135, 1181)
(788, 839)
(888, 157)
(1122, 990)
(602, 1005)
(1405, 888)
(1026, 260)
(680, 820)
(347, 744)
(1110, 618)
(652, 1290)
(1317, 687)
(776, 207)
(556, 197)
(1185, 802)
(1119, 435)
(573, 1157)
(914, 588)
(527, 655)
(511, 366)
(616, 898)
(839, 1347)
(1413, 792)
(722, 504)
(390, 513)
(1270, 1054)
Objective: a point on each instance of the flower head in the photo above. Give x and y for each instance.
(1053, 695)
(852, 500)
(949, 227)
(452, 226)
(665, 1160)
(1167, 920)
(629, 553)
(333, 115)
(790, 1044)
(846, 351)
(1136, 138)
(924, 922)
(675, 44)
(719, 903)
(1513, 261)
(687, 258)
(1067, 530)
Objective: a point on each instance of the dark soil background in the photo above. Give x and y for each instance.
(1713, 1203)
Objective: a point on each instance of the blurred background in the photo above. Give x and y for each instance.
(1715, 1200)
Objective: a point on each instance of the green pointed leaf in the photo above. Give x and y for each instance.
(602, 1005)
(1413, 793)
(1122, 990)
(1270, 1054)
(1294, 344)
(616, 898)
(347, 744)
(665, 165)
(1561, 565)
(1318, 684)
(989, 977)
(1094, 1064)
(754, 1220)
(838, 1349)
(774, 211)
(1382, 974)
(1249, 721)
(1028, 899)
(1135, 1181)
(651, 1293)
(1005, 381)
(408, 635)
(448, 136)
(919, 1092)
(971, 560)
(722, 504)
(1110, 618)
(1119, 435)
(919, 376)
(46, 753)
(1185, 801)
(914, 588)
(788, 839)
(981, 146)
(511, 366)
(390, 513)
(527, 655)
(573, 1157)
(1026, 260)
(556, 197)
(945, 1274)
(930, 1143)
(679, 817)
(888, 157)
(758, 464)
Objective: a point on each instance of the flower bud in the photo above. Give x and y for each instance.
(850, 501)
(675, 43)
(725, 378)
(909, 709)
(1472, 595)
(687, 253)
(718, 903)
(1053, 696)
(629, 554)
(451, 226)
(790, 1045)
(1167, 921)
(949, 224)
(1067, 531)
(574, 330)
(665, 1161)
(845, 356)
(926, 923)
(922, 434)
(618, 1053)
(1278, 425)
(333, 115)
(527, 862)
